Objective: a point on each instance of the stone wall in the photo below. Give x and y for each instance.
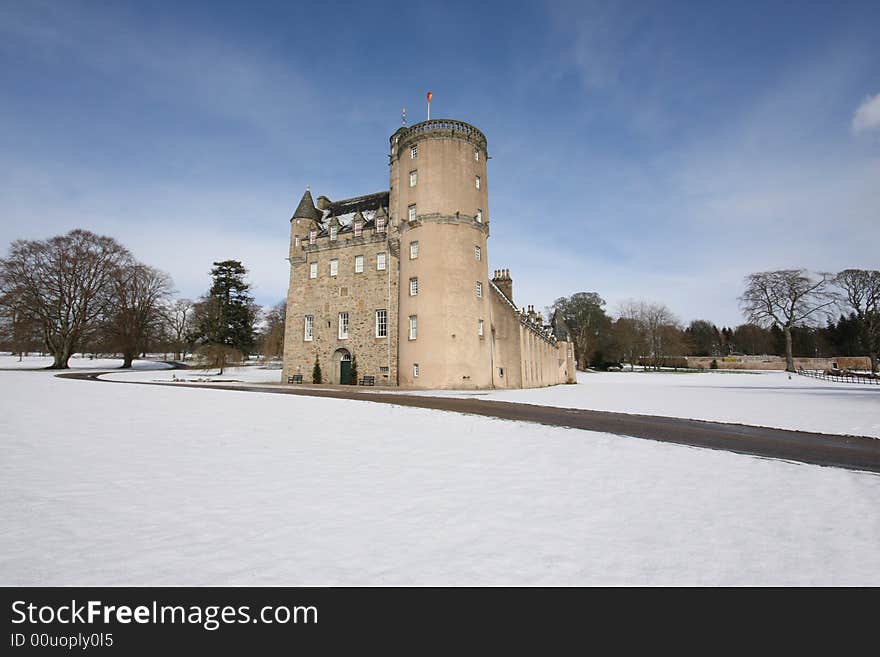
(358, 294)
(778, 362)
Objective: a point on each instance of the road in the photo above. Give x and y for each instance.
(851, 452)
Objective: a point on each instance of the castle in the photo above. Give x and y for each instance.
(399, 280)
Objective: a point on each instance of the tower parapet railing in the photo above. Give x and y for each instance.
(444, 128)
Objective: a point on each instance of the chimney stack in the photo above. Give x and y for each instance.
(504, 283)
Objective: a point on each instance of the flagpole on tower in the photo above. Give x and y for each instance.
(430, 95)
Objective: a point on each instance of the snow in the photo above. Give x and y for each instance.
(249, 374)
(111, 484)
(766, 399)
(77, 362)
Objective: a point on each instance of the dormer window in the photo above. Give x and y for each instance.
(358, 227)
(313, 234)
(380, 224)
(333, 231)
(414, 152)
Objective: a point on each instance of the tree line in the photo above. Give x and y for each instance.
(82, 292)
(86, 293)
(790, 313)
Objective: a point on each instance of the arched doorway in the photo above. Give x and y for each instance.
(342, 367)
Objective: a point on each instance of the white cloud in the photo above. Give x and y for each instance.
(867, 116)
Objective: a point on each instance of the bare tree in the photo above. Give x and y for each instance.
(785, 298)
(179, 317)
(65, 285)
(137, 313)
(628, 333)
(662, 332)
(860, 290)
(272, 336)
(648, 330)
(18, 332)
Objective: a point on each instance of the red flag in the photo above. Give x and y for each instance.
(430, 95)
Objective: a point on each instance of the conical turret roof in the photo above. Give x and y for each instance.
(306, 208)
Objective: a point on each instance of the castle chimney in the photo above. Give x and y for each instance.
(504, 283)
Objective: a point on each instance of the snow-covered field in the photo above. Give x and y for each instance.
(249, 374)
(767, 399)
(118, 484)
(78, 362)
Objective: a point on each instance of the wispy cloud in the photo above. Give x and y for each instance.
(867, 116)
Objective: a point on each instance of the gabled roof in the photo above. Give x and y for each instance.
(360, 203)
(306, 208)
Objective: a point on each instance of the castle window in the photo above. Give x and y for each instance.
(313, 270)
(413, 327)
(478, 182)
(411, 213)
(384, 371)
(414, 151)
(413, 287)
(296, 241)
(380, 223)
(479, 290)
(313, 234)
(382, 323)
(333, 231)
(309, 328)
(334, 267)
(479, 215)
(413, 178)
(478, 252)
(358, 228)
(413, 250)
(480, 327)
(415, 370)
(476, 155)
(343, 326)
(380, 262)
(359, 264)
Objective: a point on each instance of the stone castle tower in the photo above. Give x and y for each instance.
(398, 280)
(439, 191)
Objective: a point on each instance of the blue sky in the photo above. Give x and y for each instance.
(640, 150)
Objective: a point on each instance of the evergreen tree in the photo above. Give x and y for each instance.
(227, 314)
(317, 376)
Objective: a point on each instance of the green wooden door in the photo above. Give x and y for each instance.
(345, 372)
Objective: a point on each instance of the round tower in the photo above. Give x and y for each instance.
(439, 200)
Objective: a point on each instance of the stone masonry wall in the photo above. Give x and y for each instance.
(358, 294)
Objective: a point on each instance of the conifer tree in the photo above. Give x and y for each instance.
(227, 314)
(317, 376)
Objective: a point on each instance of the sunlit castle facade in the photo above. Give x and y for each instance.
(399, 280)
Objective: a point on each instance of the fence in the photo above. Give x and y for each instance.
(840, 378)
